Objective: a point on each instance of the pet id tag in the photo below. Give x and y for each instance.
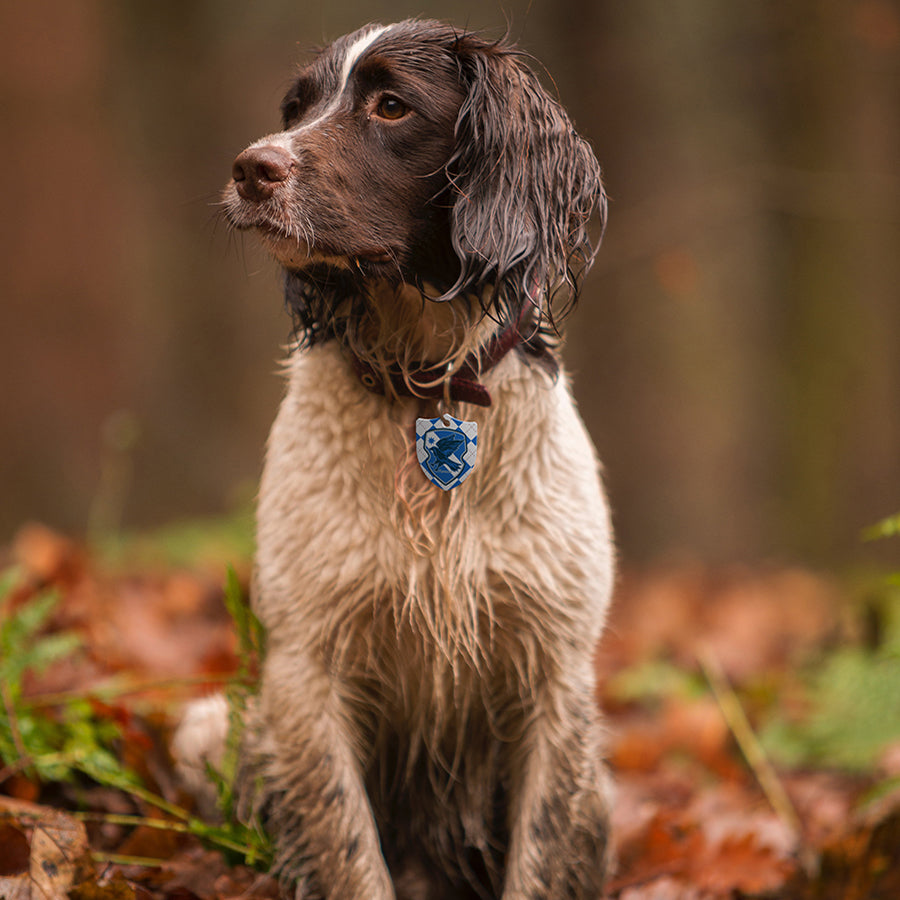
(446, 449)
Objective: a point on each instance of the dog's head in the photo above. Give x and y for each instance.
(422, 155)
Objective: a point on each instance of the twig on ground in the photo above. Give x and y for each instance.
(748, 742)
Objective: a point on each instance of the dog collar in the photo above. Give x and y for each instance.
(462, 386)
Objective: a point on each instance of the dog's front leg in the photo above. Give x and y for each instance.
(560, 830)
(300, 765)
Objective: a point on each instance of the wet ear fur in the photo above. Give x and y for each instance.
(524, 185)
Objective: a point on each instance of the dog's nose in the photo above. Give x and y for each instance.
(258, 170)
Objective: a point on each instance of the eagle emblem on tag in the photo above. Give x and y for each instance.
(446, 449)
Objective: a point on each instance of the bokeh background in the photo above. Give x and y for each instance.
(736, 354)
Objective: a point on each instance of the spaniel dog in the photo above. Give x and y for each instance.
(434, 555)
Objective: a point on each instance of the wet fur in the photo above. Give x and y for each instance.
(426, 724)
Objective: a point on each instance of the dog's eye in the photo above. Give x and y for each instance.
(391, 108)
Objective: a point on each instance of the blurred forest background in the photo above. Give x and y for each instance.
(735, 354)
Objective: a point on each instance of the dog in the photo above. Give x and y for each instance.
(434, 552)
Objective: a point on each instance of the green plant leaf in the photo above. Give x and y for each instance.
(69, 739)
(889, 527)
(853, 698)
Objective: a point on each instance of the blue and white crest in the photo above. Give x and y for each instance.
(446, 449)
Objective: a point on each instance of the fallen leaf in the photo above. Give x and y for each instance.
(48, 557)
(750, 620)
(740, 864)
(15, 887)
(58, 848)
(663, 847)
(115, 886)
(14, 850)
(637, 747)
(664, 888)
(58, 854)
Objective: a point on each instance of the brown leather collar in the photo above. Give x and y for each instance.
(463, 385)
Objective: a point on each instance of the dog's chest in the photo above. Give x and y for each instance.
(352, 539)
(328, 522)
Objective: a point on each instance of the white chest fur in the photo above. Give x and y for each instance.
(347, 522)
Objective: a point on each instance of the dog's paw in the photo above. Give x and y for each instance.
(199, 741)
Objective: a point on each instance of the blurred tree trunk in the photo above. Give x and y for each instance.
(736, 353)
(199, 79)
(871, 474)
(835, 116)
(60, 250)
(668, 352)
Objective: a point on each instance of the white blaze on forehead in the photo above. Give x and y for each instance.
(354, 52)
(351, 56)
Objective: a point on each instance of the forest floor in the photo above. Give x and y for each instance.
(753, 718)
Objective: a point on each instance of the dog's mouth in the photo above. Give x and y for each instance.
(298, 255)
(291, 246)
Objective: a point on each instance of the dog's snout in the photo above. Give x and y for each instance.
(258, 170)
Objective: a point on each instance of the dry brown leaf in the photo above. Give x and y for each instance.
(751, 620)
(740, 864)
(115, 886)
(15, 887)
(14, 851)
(662, 847)
(47, 556)
(58, 855)
(637, 746)
(151, 843)
(664, 888)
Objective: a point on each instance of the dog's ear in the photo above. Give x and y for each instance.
(524, 184)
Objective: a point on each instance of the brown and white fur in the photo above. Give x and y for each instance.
(426, 724)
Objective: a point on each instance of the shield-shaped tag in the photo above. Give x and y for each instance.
(446, 449)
